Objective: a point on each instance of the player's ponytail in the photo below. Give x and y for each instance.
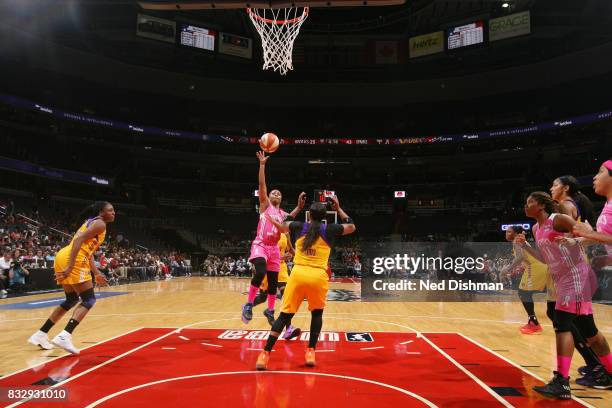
(317, 214)
(585, 205)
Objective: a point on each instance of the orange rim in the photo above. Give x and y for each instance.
(279, 22)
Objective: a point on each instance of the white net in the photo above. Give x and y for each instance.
(278, 29)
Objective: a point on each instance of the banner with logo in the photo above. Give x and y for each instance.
(510, 26)
(426, 44)
(22, 103)
(21, 166)
(156, 28)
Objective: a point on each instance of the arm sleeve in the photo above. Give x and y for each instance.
(295, 228)
(334, 231)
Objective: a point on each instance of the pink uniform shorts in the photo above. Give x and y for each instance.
(270, 253)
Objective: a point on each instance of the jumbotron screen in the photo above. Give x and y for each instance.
(465, 35)
(198, 37)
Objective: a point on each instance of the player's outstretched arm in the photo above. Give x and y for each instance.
(264, 202)
(347, 222)
(586, 231)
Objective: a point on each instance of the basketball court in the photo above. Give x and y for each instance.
(182, 340)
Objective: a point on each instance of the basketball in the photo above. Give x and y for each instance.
(269, 142)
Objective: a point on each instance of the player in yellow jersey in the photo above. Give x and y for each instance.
(73, 266)
(309, 279)
(535, 278)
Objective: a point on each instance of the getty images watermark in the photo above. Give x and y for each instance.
(469, 271)
(428, 271)
(411, 264)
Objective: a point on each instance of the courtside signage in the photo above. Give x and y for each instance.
(510, 26)
(426, 44)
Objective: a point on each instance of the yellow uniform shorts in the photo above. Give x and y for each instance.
(305, 282)
(79, 274)
(283, 275)
(534, 278)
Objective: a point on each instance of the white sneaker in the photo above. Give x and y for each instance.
(64, 340)
(41, 340)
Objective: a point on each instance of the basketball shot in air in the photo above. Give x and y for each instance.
(269, 142)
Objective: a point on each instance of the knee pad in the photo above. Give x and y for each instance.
(88, 299)
(72, 298)
(563, 322)
(260, 271)
(259, 264)
(585, 326)
(272, 282)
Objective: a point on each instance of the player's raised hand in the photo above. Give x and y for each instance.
(335, 202)
(302, 200)
(261, 156)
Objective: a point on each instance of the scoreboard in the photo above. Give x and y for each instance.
(465, 35)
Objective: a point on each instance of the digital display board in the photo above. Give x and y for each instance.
(198, 37)
(465, 35)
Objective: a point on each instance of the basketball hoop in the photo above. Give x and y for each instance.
(278, 29)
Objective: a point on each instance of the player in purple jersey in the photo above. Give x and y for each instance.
(565, 191)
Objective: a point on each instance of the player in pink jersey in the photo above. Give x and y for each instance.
(265, 254)
(565, 190)
(602, 184)
(575, 283)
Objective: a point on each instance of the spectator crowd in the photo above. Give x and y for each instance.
(30, 241)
